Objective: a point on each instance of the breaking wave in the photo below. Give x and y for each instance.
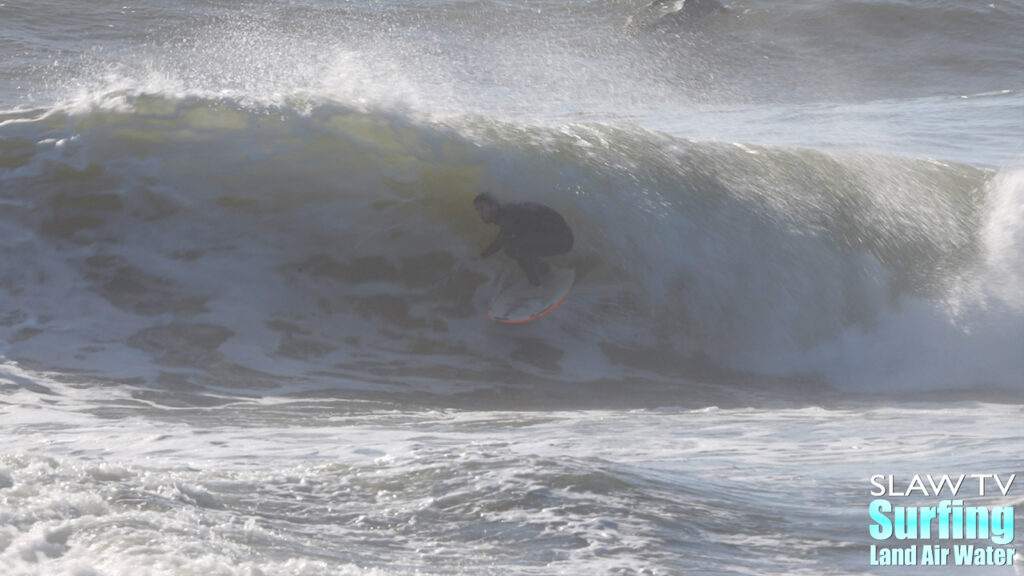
(206, 241)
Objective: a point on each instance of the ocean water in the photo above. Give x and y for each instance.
(243, 326)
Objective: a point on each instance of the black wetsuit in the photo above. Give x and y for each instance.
(530, 232)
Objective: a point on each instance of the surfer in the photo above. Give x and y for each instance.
(529, 232)
(674, 15)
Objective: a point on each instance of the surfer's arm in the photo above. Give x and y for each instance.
(498, 244)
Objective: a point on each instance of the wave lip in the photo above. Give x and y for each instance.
(604, 61)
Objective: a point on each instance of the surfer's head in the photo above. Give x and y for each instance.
(487, 207)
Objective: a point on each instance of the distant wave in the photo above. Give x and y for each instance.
(158, 235)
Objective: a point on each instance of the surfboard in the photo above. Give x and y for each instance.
(520, 302)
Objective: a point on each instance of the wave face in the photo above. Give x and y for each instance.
(210, 243)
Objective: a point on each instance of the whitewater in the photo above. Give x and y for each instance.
(243, 319)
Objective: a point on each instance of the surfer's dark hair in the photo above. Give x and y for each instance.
(486, 198)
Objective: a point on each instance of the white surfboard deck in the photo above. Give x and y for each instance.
(520, 302)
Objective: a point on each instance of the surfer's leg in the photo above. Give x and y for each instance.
(549, 243)
(532, 266)
(532, 269)
(534, 248)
